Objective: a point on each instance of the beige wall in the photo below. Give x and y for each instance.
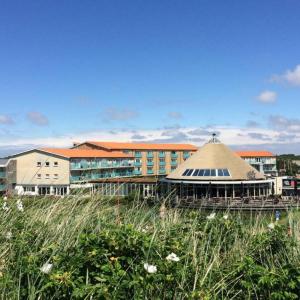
(28, 170)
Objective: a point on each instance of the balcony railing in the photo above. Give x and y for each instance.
(100, 165)
(174, 155)
(162, 163)
(88, 177)
(173, 163)
(150, 172)
(136, 172)
(186, 155)
(162, 171)
(2, 174)
(161, 155)
(137, 163)
(138, 154)
(150, 163)
(2, 187)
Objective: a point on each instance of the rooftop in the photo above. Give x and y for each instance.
(255, 154)
(142, 146)
(84, 153)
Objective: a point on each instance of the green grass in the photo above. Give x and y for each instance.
(98, 248)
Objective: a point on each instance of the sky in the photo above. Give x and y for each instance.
(150, 71)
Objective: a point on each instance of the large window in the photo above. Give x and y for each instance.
(206, 172)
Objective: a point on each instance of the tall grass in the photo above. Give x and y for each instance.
(94, 236)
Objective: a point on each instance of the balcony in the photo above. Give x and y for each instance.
(161, 154)
(186, 155)
(149, 154)
(174, 155)
(150, 163)
(2, 187)
(137, 172)
(150, 172)
(174, 163)
(162, 163)
(100, 165)
(138, 154)
(137, 163)
(162, 171)
(2, 175)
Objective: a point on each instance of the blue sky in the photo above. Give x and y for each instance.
(150, 71)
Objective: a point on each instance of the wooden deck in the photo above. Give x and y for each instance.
(246, 204)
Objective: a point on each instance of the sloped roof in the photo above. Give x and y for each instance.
(216, 156)
(85, 153)
(255, 154)
(142, 146)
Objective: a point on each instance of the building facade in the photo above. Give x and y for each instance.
(52, 171)
(262, 161)
(149, 159)
(3, 180)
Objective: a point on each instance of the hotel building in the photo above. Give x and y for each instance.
(262, 161)
(3, 166)
(51, 171)
(149, 159)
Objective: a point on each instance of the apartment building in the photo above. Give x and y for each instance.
(263, 161)
(52, 171)
(3, 166)
(149, 159)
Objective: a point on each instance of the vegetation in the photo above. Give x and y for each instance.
(286, 164)
(90, 248)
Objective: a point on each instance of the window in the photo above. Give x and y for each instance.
(196, 172)
(55, 176)
(201, 173)
(225, 172)
(39, 176)
(162, 160)
(206, 172)
(185, 172)
(149, 160)
(47, 176)
(189, 173)
(38, 164)
(47, 164)
(55, 164)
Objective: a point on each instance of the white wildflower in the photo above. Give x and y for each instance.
(5, 198)
(150, 268)
(211, 216)
(225, 217)
(8, 235)
(271, 226)
(172, 257)
(46, 268)
(20, 205)
(5, 206)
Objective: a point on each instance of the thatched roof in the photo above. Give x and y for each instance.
(217, 157)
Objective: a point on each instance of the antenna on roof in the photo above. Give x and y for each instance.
(214, 139)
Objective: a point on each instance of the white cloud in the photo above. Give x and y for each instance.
(175, 115)
(267, 97)
(291, 77)
(119, 114)
(6, 120)
(37, 118)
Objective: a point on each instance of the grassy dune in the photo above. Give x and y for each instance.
(84, 247)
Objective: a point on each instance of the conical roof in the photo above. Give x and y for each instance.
(215, 162)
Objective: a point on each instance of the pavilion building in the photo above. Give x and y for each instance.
(215, 171)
